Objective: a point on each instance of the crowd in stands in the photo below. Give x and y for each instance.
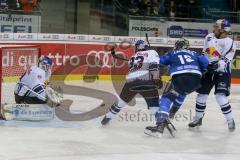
(27, 6)
(203, 9)
(165, 8)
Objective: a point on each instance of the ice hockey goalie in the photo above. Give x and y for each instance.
(35, 100)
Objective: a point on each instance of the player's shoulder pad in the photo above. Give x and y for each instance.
(209, 36)
(229, 40)
(33, 67)
(194, 52)
(169, 52)
(199, 53)
(37, 70)
(230, 43)
(152, 52)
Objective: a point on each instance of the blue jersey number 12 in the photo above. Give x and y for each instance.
(185, 58)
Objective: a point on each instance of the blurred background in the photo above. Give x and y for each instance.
(67, 29)
(119, 17)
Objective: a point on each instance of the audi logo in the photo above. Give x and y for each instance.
(104, 59)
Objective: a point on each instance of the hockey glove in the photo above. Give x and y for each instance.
(113, 53)
(212, 67)
(158, 83)
(221, 66)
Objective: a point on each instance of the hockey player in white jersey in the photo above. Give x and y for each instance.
(31, 88)
(220, 50)
(143, 78)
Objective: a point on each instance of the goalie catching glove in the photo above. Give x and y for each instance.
(53, 97)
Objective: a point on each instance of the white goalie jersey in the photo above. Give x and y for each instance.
(34, 79)
(143, 65)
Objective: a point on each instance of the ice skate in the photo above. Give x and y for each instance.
(195, 123)
(105, 120)
(157, 131)
(231, 126)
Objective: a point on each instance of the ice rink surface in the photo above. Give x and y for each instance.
(123, 139)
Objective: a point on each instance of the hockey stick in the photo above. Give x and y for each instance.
(113, 53)
(147, 39)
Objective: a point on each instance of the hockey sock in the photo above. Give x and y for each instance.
(160, 117)
(164, 106)
(201, 105)
(179, 101)
(153, 104)
(223, 102)
(116, 108)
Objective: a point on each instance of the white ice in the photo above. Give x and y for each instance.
(123, 139)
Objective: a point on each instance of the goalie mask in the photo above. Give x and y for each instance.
(45, 63)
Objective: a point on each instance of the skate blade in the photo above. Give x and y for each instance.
(197, 128)
(172, 131)
(231, 130)
(155, 134)
(106, 124)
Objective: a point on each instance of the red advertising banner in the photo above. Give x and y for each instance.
(95, 58)
(85, 58)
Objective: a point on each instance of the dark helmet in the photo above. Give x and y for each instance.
(141, 45)
(182, 43)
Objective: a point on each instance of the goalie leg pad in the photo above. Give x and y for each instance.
(28, 112)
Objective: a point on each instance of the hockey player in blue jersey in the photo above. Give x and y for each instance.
(185, 68)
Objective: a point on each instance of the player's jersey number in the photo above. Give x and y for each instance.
(185, 59)
(136, 62)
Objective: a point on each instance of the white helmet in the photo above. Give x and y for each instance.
(45, 63)
(223, 24)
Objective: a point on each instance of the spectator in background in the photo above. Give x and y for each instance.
(162, 9)
(238, 37)
(172, 12)
(28, 5)
(152, 7)
(3, 4)
(137, 7)
(13, 4)
(145, 7)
